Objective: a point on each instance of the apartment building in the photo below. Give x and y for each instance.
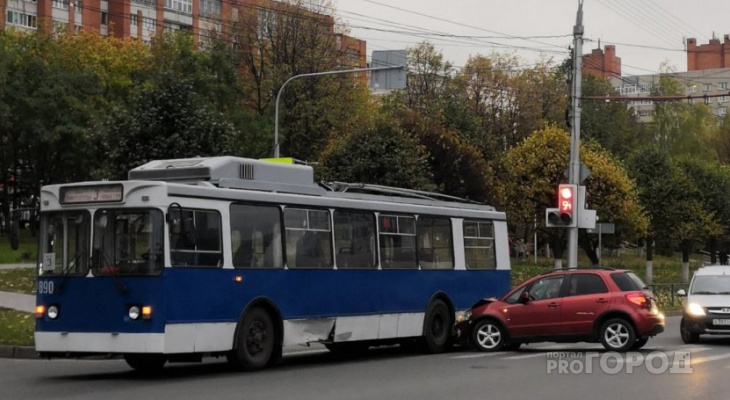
(144, 19)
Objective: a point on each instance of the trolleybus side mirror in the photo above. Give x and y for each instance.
(681, 293)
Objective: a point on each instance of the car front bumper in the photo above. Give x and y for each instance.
(706, 325)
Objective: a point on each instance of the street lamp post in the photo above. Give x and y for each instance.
(281, 89)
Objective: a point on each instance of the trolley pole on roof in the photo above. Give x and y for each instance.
(574, 168)
(281, 89)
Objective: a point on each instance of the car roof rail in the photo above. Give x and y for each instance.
(577, 269)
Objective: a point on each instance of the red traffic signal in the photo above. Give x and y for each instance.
(565, 214)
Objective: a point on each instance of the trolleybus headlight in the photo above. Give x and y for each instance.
(53, 312)
(134, 312)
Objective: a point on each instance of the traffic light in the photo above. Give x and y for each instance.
(565, 214)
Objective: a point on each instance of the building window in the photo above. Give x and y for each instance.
(150, 3)
(210, 8)
(104, 18)
(723, 85)
(708, 100)
(63, 4)
(149, 24)
(19, 19)
(708, 87)
(183, 6)
(133, 19)
(266, 23)
(722, 99)
(721, 111)
(692, 89)
(645, 113)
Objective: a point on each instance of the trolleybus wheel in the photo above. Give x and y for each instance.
(255, 339)
(438, 327)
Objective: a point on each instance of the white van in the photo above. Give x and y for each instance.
(707, 304)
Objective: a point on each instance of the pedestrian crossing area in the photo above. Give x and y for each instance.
(698, 354)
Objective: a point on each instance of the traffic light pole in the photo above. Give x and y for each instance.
(574, 170)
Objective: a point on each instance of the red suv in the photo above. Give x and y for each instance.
(578, 305)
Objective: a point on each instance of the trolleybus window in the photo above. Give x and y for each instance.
(195, 239)
(65, 243)
(398, 241)
(308, 238)
(479, 245)
(256, 236)
(355, 239)
(128, 242)
(435, 247)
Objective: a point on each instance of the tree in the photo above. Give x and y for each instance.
(289, 39)
(428, 77)
(612, 123)
(531, 172)
(672, 203)
(167, 120)
(385, 154)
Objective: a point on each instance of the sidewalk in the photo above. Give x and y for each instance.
(16, 266)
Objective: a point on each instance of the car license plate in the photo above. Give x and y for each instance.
(721, 322)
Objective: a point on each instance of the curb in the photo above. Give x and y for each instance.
(21, 352)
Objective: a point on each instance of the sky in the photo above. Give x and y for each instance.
(646, 33)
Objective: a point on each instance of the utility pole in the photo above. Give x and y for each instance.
(574, 170)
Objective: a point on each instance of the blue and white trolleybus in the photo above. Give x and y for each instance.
(241, 258)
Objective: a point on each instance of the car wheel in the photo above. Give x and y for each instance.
(488, 335)
(639, 343)
(617, 334)
(688, 336)
(255, 341)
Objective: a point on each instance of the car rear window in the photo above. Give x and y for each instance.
(628, 281)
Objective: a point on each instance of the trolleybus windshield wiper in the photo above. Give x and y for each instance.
(66, 271)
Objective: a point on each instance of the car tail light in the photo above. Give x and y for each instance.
(639, 299)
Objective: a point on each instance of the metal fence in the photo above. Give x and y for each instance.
(666, 293)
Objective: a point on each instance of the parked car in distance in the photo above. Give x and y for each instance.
(609, 306)
(706, 304)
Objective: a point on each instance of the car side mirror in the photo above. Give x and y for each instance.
(524, 297)
(681, 293)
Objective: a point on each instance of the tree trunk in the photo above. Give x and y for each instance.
(686, 249)
(558, 248)
(649, 242)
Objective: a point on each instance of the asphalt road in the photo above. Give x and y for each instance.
(390, 373)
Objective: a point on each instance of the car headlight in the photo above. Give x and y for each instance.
(463, 316)
(696, 310)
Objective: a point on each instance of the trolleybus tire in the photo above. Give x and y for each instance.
(437, 327)
(254, 346)
(148, 363)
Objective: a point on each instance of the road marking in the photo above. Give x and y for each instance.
(473, 356)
